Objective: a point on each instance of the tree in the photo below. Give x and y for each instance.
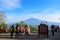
(22, 23)
(10, 30)
(32, 28)
(2, 19)
(3, 25)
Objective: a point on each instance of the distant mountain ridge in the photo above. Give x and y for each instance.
(34, 22)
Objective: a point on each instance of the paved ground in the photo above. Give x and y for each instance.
(33, 36)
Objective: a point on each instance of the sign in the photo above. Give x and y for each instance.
(43, 29)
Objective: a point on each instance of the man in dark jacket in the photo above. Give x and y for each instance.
(12, 30)
(52, 29)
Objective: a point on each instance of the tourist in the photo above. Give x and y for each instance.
(58, 28)
(26, 30)
(6, 30)
(18, 31)
(52, 29)
(12, 30)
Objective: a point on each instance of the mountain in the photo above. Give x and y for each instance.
(32, 21)
(35, 22)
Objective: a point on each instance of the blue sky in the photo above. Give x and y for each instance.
(17, 10)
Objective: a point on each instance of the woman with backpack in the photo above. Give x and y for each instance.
(26, 30)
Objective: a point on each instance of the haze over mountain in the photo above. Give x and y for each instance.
(34, 22)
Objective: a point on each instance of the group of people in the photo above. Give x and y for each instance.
(19, 31)
(42, 29)
(5, 30)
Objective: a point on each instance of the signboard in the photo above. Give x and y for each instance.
(44, 29)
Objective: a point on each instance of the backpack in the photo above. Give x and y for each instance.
(26, 30)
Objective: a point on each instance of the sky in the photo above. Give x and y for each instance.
(17, 10)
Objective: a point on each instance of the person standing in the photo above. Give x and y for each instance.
(58, 28)
(55, 28)
(19, 31)
(26, 30)
(52, 29)
(6, 30)
(12, 31)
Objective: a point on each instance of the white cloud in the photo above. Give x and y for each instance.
(50, 15)
(17, 17)
(10, 4)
